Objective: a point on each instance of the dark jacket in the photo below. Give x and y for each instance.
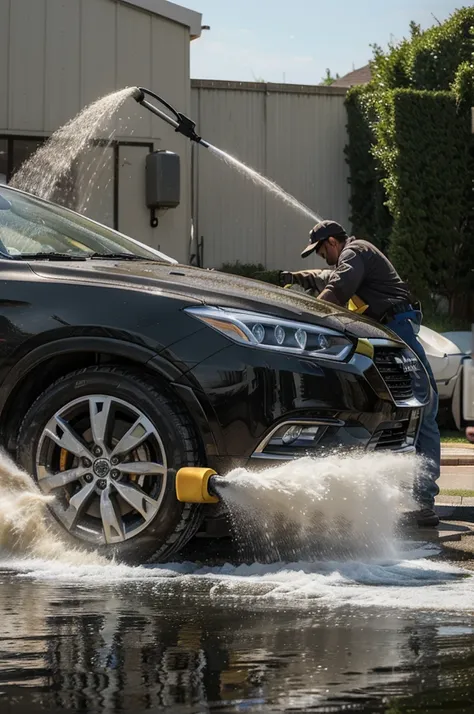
(364, 271)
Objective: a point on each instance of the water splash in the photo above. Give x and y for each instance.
(48, 173)
(369, 491)
(266, 183)
(27, 529)
(335, 507)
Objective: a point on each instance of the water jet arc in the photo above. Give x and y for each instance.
(186, 126)
(180, 122)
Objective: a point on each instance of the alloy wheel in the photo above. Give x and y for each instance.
(105, 464)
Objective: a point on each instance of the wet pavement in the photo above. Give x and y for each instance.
(321, 637)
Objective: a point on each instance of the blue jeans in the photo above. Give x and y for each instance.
(429, 443)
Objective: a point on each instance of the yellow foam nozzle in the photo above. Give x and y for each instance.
(192, 485)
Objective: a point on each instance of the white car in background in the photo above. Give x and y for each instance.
(450, 357)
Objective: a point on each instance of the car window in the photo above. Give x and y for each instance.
(29, 226)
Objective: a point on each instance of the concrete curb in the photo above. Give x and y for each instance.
(467, 501)
(457, 454)
(454, 512)
(448, 460)
(444, 533)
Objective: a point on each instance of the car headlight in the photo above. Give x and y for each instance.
(271, 333)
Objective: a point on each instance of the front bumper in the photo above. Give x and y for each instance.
(254, 396)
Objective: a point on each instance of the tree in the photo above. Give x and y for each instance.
(329, 79)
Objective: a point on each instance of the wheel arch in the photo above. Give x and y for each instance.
(36, 371)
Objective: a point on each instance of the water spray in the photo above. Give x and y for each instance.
(181, 123)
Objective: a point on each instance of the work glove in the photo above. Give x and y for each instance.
(307, 279)
(286, 278)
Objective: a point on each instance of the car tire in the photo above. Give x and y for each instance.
(75, 427)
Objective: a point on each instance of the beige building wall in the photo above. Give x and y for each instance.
(57, 56)
(296, 136)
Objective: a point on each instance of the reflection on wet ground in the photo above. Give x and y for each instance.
(136, 647)
(376, 623)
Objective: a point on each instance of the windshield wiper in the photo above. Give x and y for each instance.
(120, 256)
(47, 256)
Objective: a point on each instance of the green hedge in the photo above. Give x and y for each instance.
(427, 60)
(370, 217)
(411, 158)
(433, 57)
(463, 85)
(362, 168)
(256, 271)
(423, 144)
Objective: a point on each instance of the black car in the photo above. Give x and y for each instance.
(118, 366)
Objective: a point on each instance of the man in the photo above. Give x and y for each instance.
(361, 273)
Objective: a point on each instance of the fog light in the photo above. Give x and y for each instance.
(290, 440)
(309, 432)
(291, 434)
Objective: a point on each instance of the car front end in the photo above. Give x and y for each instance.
(287, 388)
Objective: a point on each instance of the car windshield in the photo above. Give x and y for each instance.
(30, 227)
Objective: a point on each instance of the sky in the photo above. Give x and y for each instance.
(295, 41)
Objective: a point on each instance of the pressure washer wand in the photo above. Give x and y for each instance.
(181, 123)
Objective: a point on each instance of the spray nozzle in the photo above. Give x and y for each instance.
(181, 123)
(138, 94)
(197, 485)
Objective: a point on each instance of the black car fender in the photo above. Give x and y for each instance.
(71, 345)
(200, 412)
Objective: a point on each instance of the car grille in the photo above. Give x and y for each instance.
(393, 438)
(398, 381)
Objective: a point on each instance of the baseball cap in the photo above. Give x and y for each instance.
(322, 231)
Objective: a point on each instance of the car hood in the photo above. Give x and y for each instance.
(441, 345)
(211, 287)
(445, 353)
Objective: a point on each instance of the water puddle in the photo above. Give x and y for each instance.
(412, 582)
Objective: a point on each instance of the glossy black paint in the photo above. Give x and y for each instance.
(56, 317)
(251, 392)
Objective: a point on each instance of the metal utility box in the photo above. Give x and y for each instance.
(163, 178)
